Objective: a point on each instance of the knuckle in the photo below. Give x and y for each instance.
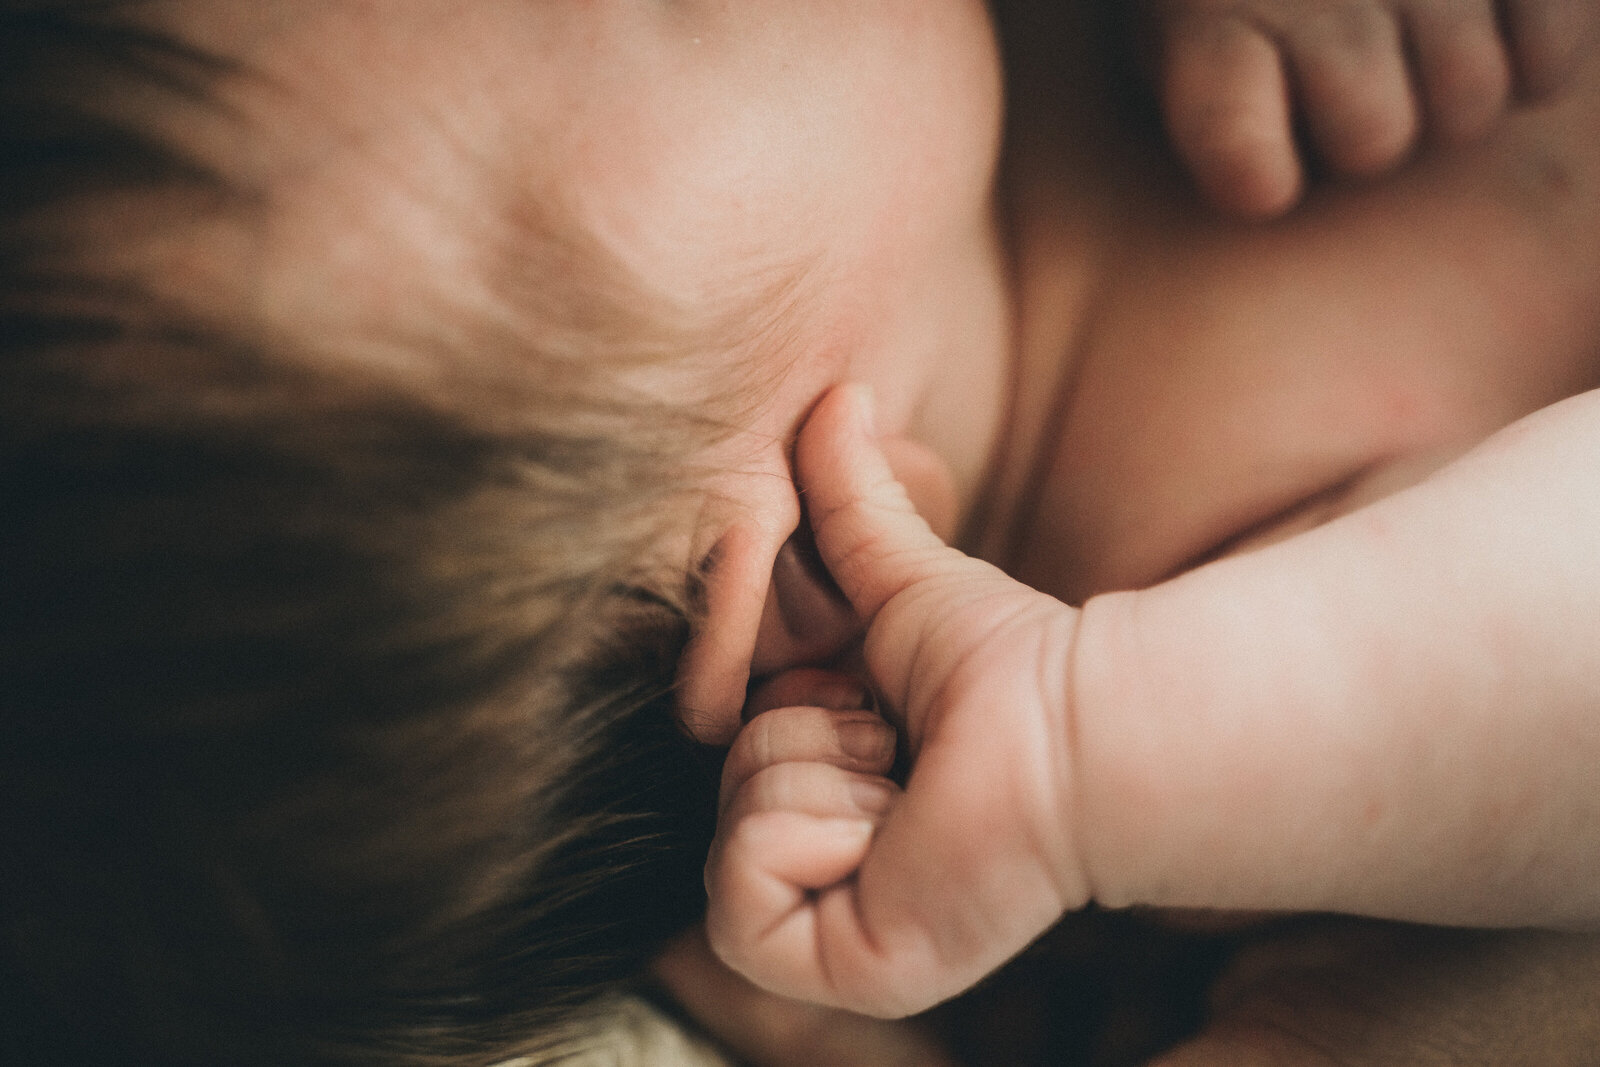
(770, 788)
(746, 847)
(748, 755)
(727, 937)
(760, 746)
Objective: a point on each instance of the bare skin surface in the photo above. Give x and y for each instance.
(1367, 81)
(1188, 389)
(1158, 416)
(1186, 382)
(1443, 303)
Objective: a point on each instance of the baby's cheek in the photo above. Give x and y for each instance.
(928, 482)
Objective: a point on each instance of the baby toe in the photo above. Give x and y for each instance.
(1462, 65)
(1227, 108)
(1350, 67)
(1547, 37)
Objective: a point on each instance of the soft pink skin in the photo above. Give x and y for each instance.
(1389, 716)
(981, 814)
(1368, 79)
(398, 136)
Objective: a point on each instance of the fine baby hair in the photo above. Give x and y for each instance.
(334, 688)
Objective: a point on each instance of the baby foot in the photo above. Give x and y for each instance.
(1363, 79)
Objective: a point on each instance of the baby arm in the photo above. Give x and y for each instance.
(1363, 77)
(1395, 715)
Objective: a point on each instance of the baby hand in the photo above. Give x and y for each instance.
(829, 883)
(1363, 76)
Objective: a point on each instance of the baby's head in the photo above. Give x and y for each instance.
(376, 382)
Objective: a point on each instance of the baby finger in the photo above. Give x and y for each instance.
(1462, 65)
(1227, 106)
(1349, 66)
(815, 789)
(856, 741)
(1547, 37)
(767, 878)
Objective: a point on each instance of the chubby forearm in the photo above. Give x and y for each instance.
(1397, 714)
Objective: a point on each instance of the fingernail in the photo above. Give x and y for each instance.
(871, 795)
(868, 741)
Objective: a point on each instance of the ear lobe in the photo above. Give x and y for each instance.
(715, 669)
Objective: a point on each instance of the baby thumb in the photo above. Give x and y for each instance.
(867, 530)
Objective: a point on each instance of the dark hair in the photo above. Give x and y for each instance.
(334, 710)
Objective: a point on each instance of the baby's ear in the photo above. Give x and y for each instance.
(766, 610)
(807, 622)
(715, 669)
(770, 604)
